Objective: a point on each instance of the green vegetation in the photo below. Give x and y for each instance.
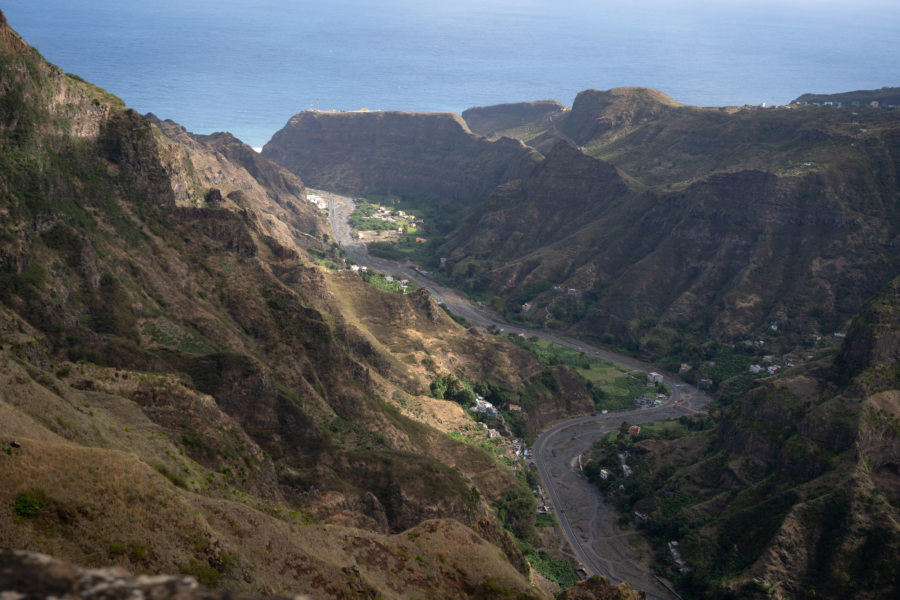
(100, 95)
(719, 545)
(516, 508)
(388, 250)
(331, 256)
(450, 387)
(374, 217)
(439, 219)
(407, 246)
(549, 353)
(31, 503)
(558, 570)
(612, 387)
(176, 338)
(210, 571)
(458, 318)
(544, 520)
(387, 283)
(176, 479)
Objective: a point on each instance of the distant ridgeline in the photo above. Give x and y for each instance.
(886, 97)
(670, 228)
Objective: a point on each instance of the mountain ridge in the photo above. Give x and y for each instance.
(190, 385)
(169, 338)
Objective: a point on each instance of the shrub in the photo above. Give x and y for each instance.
(203, 572)
(555, 569)
(31, 503)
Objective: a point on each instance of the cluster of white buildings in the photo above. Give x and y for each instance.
(320, 202)
(485, 407)
(771, 369)
(387, 215)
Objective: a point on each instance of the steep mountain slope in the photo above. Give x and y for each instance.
(774, 216)
(182, 388)
(431, 154)
(727, 256)
(658, 221)
(795, 494)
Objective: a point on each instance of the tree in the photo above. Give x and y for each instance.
(464, 397)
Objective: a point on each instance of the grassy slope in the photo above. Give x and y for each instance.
(210, 367)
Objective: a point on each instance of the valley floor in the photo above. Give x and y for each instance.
(587, 520)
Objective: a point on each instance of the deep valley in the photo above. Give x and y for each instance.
(428, 355)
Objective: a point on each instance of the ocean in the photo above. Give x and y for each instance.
(247, 67)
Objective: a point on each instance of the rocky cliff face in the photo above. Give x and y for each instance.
(395, 152)
(732, 251)
(873, 338)
(609, 114)
(183, 392)
(532, 213)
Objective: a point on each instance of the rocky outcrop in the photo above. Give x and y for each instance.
(230, 229)
(598, 113)
(127, 141)
(9, 39)
(419, 154)
(34, 576)
(786, 487)
(534, 212)
(282, 184)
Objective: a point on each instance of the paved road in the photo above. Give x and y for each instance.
(588, 522)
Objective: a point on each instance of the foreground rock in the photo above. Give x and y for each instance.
(31, 575)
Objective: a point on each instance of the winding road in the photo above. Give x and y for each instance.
(588, 522)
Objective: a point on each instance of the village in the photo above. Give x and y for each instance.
(372, 221)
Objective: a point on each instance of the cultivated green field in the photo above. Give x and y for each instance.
(614, 387)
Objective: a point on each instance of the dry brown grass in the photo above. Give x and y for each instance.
(106, 506)
(100, 460)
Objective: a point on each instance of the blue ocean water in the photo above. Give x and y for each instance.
(246, 67)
